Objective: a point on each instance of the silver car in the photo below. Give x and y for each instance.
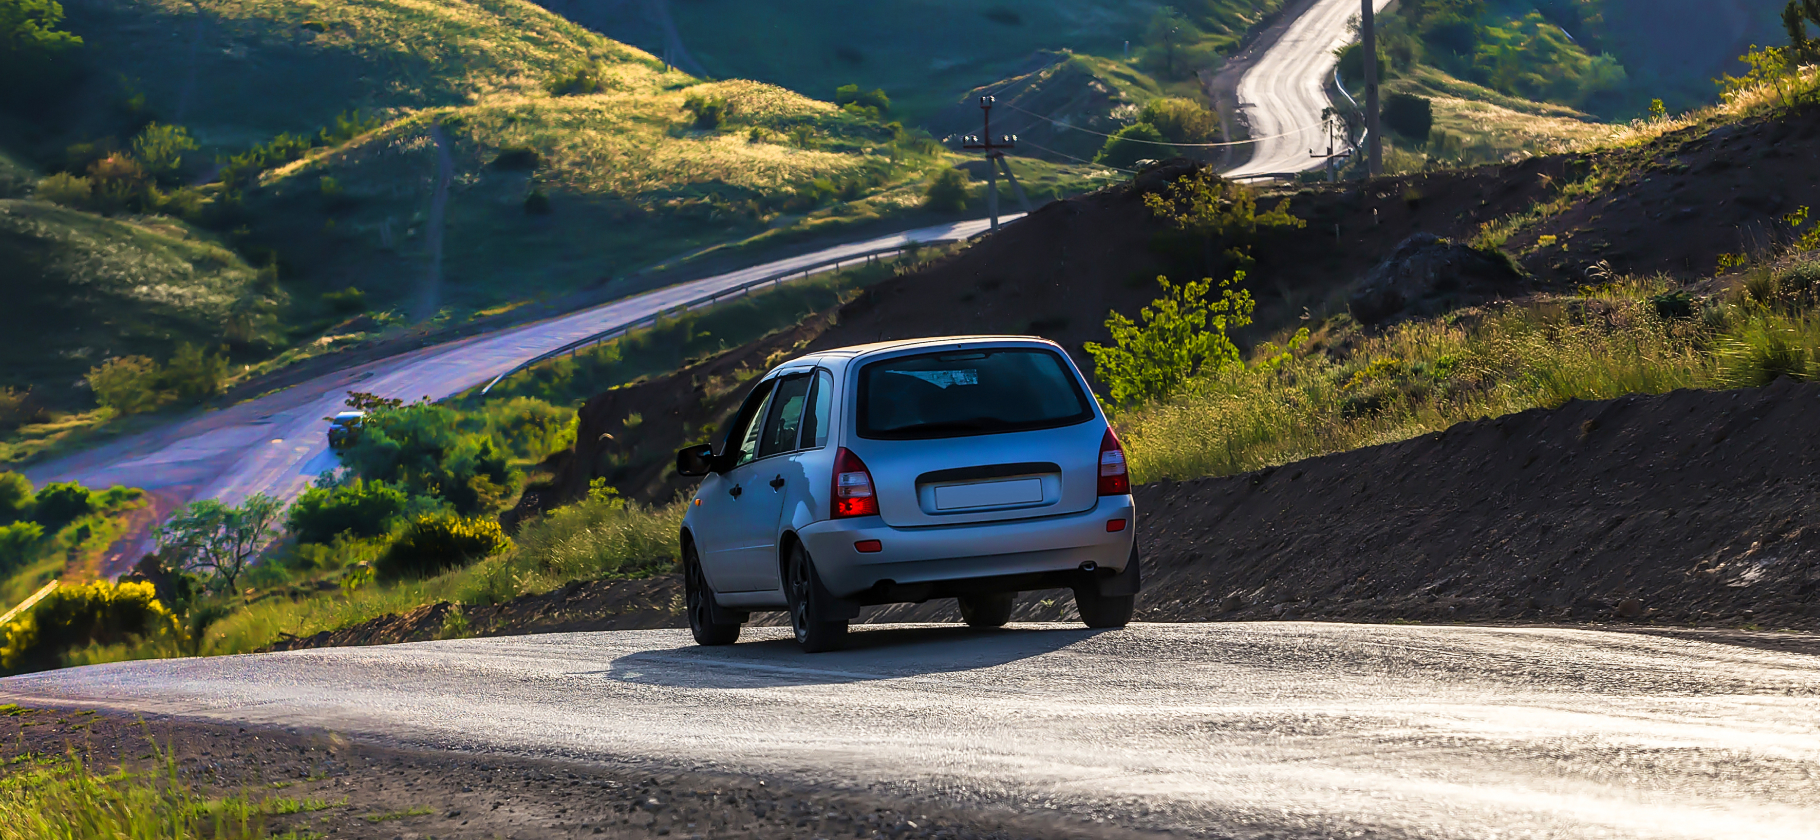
(970, 468)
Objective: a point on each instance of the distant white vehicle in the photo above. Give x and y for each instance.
(971, 468)
(344, 428)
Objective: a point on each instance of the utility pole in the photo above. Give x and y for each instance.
(1368, 26)
(995, 160)
(1336, 130)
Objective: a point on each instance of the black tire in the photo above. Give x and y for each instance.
(1103, 612)
(809, 607)
(987, 610)
(700, 600)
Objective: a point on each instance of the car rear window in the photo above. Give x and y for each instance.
(969, 392)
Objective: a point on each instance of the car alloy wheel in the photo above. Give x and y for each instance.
(808, 606)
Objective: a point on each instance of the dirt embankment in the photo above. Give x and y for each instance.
(321, 784)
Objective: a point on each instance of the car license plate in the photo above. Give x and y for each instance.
(989, 494)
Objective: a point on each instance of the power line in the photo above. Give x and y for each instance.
(1061, 124)
(1073, 158)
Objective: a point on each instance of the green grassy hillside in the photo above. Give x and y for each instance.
(85, 288)
(925, 53)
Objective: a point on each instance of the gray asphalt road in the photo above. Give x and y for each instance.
(1284, 93)
(1282, 729)
(275, 444)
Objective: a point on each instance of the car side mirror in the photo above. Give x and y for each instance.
(695, 461)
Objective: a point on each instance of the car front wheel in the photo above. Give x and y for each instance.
(810, 607)
(700, 599)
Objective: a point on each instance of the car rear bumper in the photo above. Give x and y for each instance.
(1028, 549)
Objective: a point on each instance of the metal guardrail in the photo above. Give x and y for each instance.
(28, 603)
(705, 300)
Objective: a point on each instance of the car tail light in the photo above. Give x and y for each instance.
(1115, 480)
(854, 494)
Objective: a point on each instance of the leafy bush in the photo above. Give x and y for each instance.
(1182, 333)
(120, 184)
(1179, 120)
(358, 508)
(439, 542)
(874, 99)
(602, 536)
(75, 616)
(1128, 145)
(128, 385)
(537, 203)
(194, 374)
(948, 191)
(160, 149)
(426, 450)
(15, 497)
(709, 111)
(581, 79)
(520, 158)
(18, 545)
(1409, 115)
(73, 191)
(61, 503)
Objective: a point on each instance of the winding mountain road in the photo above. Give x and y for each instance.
(276, 444)
(1231, 730)
(1283, 94)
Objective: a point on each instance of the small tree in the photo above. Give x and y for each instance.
(1795, 18)
(160, 149)
(1179, 120)
(1182, 332)
(1128, 145)
(128, 386)
(948, 192)
(219, 540)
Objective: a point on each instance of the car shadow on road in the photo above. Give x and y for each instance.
(872, 653)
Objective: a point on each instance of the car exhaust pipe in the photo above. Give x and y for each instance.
(1089, 566)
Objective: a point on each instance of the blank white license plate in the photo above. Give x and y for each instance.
(989, 494)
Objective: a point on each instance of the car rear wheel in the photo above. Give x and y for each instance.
(987, 610)
(1104, 611)
(810, 607)
(700, 600)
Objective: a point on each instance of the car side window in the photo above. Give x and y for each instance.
(742, 439)
(815, 421)
(785, 418)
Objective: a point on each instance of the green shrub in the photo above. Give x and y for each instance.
(18, 408)
(1182, 333)
(1409, 115)
(73, 191)
(426, 450)
(437, 543)
(948, 192)
(1135, 142)
(520, 158)
(19, 545)
(537, 203)
(1179, 120)
(709, 112)
(76, 616)
(874, 99)
(194, 374)
(581, 79)
(1672, 305)
(128, 385)
(15, 497)
(599, 537)
(358, 508)
(160, 149)
(61, 503)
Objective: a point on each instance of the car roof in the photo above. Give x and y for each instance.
(858, 350)
(350, 415)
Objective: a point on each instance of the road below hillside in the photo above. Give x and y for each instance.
(1246, 730)
(1283, 94)
(275, 444)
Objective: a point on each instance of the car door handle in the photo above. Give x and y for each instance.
(736, 491)
(777, 483)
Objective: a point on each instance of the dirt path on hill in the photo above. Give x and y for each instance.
(429, 293)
